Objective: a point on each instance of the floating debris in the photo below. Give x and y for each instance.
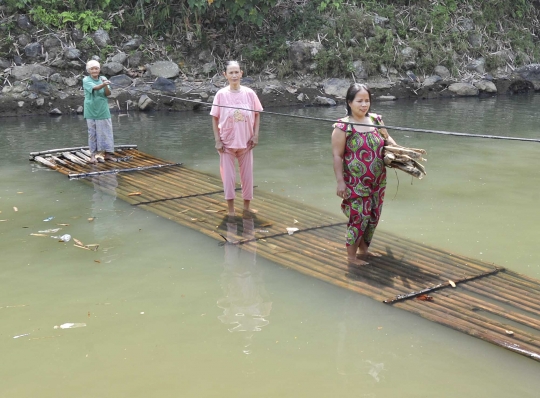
(50, 231)
(292, 230)
(63, 238)
(15, 306)
(70, 326)
(93, 247)
(48, 218)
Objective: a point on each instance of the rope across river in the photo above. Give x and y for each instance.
(399, 128)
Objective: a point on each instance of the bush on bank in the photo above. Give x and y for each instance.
(381, 36)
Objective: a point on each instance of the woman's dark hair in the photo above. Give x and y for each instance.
(231, 63)
(351, 93)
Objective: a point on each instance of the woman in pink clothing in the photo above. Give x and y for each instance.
(235, 122)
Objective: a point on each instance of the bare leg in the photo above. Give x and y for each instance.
(351, 255)
(363, 250)
(246, 204)
(230, 205)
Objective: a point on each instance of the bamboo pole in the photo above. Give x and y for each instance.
(120, 170)
(517, 292)
(475, 303)
(438, 287)
(78, 148)
(532, 285)
(501, 297)
(45, 162)
(424, 311)
(516, 331)
(459, 312)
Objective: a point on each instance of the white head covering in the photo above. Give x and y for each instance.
(91, 64)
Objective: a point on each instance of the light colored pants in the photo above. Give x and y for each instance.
(228, 172)
(100, 135)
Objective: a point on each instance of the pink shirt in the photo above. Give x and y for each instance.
(236, 125)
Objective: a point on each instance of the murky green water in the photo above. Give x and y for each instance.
(163, 304)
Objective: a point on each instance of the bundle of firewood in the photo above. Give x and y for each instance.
(405, 159)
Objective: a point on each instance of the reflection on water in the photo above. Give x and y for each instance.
(478, 200)
(245, 303)
(106, 221)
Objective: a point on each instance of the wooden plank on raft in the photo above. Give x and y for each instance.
(480, 299)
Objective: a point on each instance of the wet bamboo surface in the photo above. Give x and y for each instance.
(498, 305)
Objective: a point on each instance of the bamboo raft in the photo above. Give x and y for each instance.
(489, 302)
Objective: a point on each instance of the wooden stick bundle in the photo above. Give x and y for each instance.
(405, 159)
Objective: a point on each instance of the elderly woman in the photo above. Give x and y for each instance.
(97, 114)
(235, 123)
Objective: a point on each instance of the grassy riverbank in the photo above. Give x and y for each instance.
(450, 33)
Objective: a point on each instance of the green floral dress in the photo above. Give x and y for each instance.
(365, 177)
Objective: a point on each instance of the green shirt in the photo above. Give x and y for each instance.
(96, 105)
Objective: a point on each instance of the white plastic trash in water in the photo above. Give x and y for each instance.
(70, 325)
(63, 238)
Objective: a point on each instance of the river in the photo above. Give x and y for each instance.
(159, 301)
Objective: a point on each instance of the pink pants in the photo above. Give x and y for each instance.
(228, 172)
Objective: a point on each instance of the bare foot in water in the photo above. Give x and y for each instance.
(356, 261)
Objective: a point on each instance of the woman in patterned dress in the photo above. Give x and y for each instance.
(360, 172)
